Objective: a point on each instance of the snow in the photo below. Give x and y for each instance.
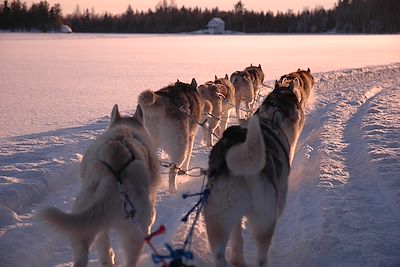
(342, 207)
(344, 190)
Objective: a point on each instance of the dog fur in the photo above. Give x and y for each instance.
(248, 177)
(244, 91)
(125, 153)
(172, 115)
(304, 79)
(257, 76)
(220, 94)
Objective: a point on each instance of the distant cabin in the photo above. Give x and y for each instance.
(216, 25)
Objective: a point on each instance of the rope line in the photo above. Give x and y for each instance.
(167, 164)
(202, 124)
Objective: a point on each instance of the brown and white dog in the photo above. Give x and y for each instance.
(244, 91)
(123, 154)
(305, 81)
(257, 76)
(220, 95)
(247, 84)
(248, 177)
(172, 115)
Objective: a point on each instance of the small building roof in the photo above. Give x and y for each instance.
(216, 21)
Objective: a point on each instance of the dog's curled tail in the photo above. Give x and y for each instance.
(147, 98)
(248, 157)
(87, 221)
(208, 107)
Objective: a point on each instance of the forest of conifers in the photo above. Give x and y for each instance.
(347, 16)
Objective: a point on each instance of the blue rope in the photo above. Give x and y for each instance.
(177, 256)
(198, 206)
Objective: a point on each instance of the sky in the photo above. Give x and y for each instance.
(119, 6)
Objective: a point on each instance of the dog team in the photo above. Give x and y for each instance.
(247, 173)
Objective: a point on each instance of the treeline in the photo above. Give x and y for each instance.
(39, 16)
(348, 16)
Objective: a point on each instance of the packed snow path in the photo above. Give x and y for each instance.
(342, 208)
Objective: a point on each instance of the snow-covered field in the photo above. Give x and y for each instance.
(342, 209)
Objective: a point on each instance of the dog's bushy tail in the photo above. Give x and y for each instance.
(89, 220)
(248, 157)
(147, 98)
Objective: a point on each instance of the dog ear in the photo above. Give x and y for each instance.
(296, 82)
(139, 114)
(298, 69)
(276, 88)
(251, 65)
(308, 70)
(216, 78)
(115, 116)
(226, 76)
(194, 83)
(259, 65)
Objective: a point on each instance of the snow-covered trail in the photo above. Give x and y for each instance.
(344, 211)
(342, 208)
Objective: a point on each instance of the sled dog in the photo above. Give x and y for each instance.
(171, 115)
(244, 91)
(248, 177)
(220, 94)
(306, 81)
(257, 76)
(123, 154)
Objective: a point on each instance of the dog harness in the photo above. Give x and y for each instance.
(275, 141)
(128, 207)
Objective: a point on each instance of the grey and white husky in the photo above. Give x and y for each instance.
(248, 177)
(172, 115)
(124, 154)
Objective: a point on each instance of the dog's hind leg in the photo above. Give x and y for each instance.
(172, 179)
(218, 235)
(213, 129)
(81, 251)
(104, 251)
(236, 256)
(132, 241)
(262, 233)
(237, 108)
(219, 219)
(185, 165)
(249, 108)
(224, 121)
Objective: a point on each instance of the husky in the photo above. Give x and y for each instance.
(244, 91)
(306, 81)
(122, 157)
(220, 94)
(257, 76)
(172, 115)
(248, 177)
